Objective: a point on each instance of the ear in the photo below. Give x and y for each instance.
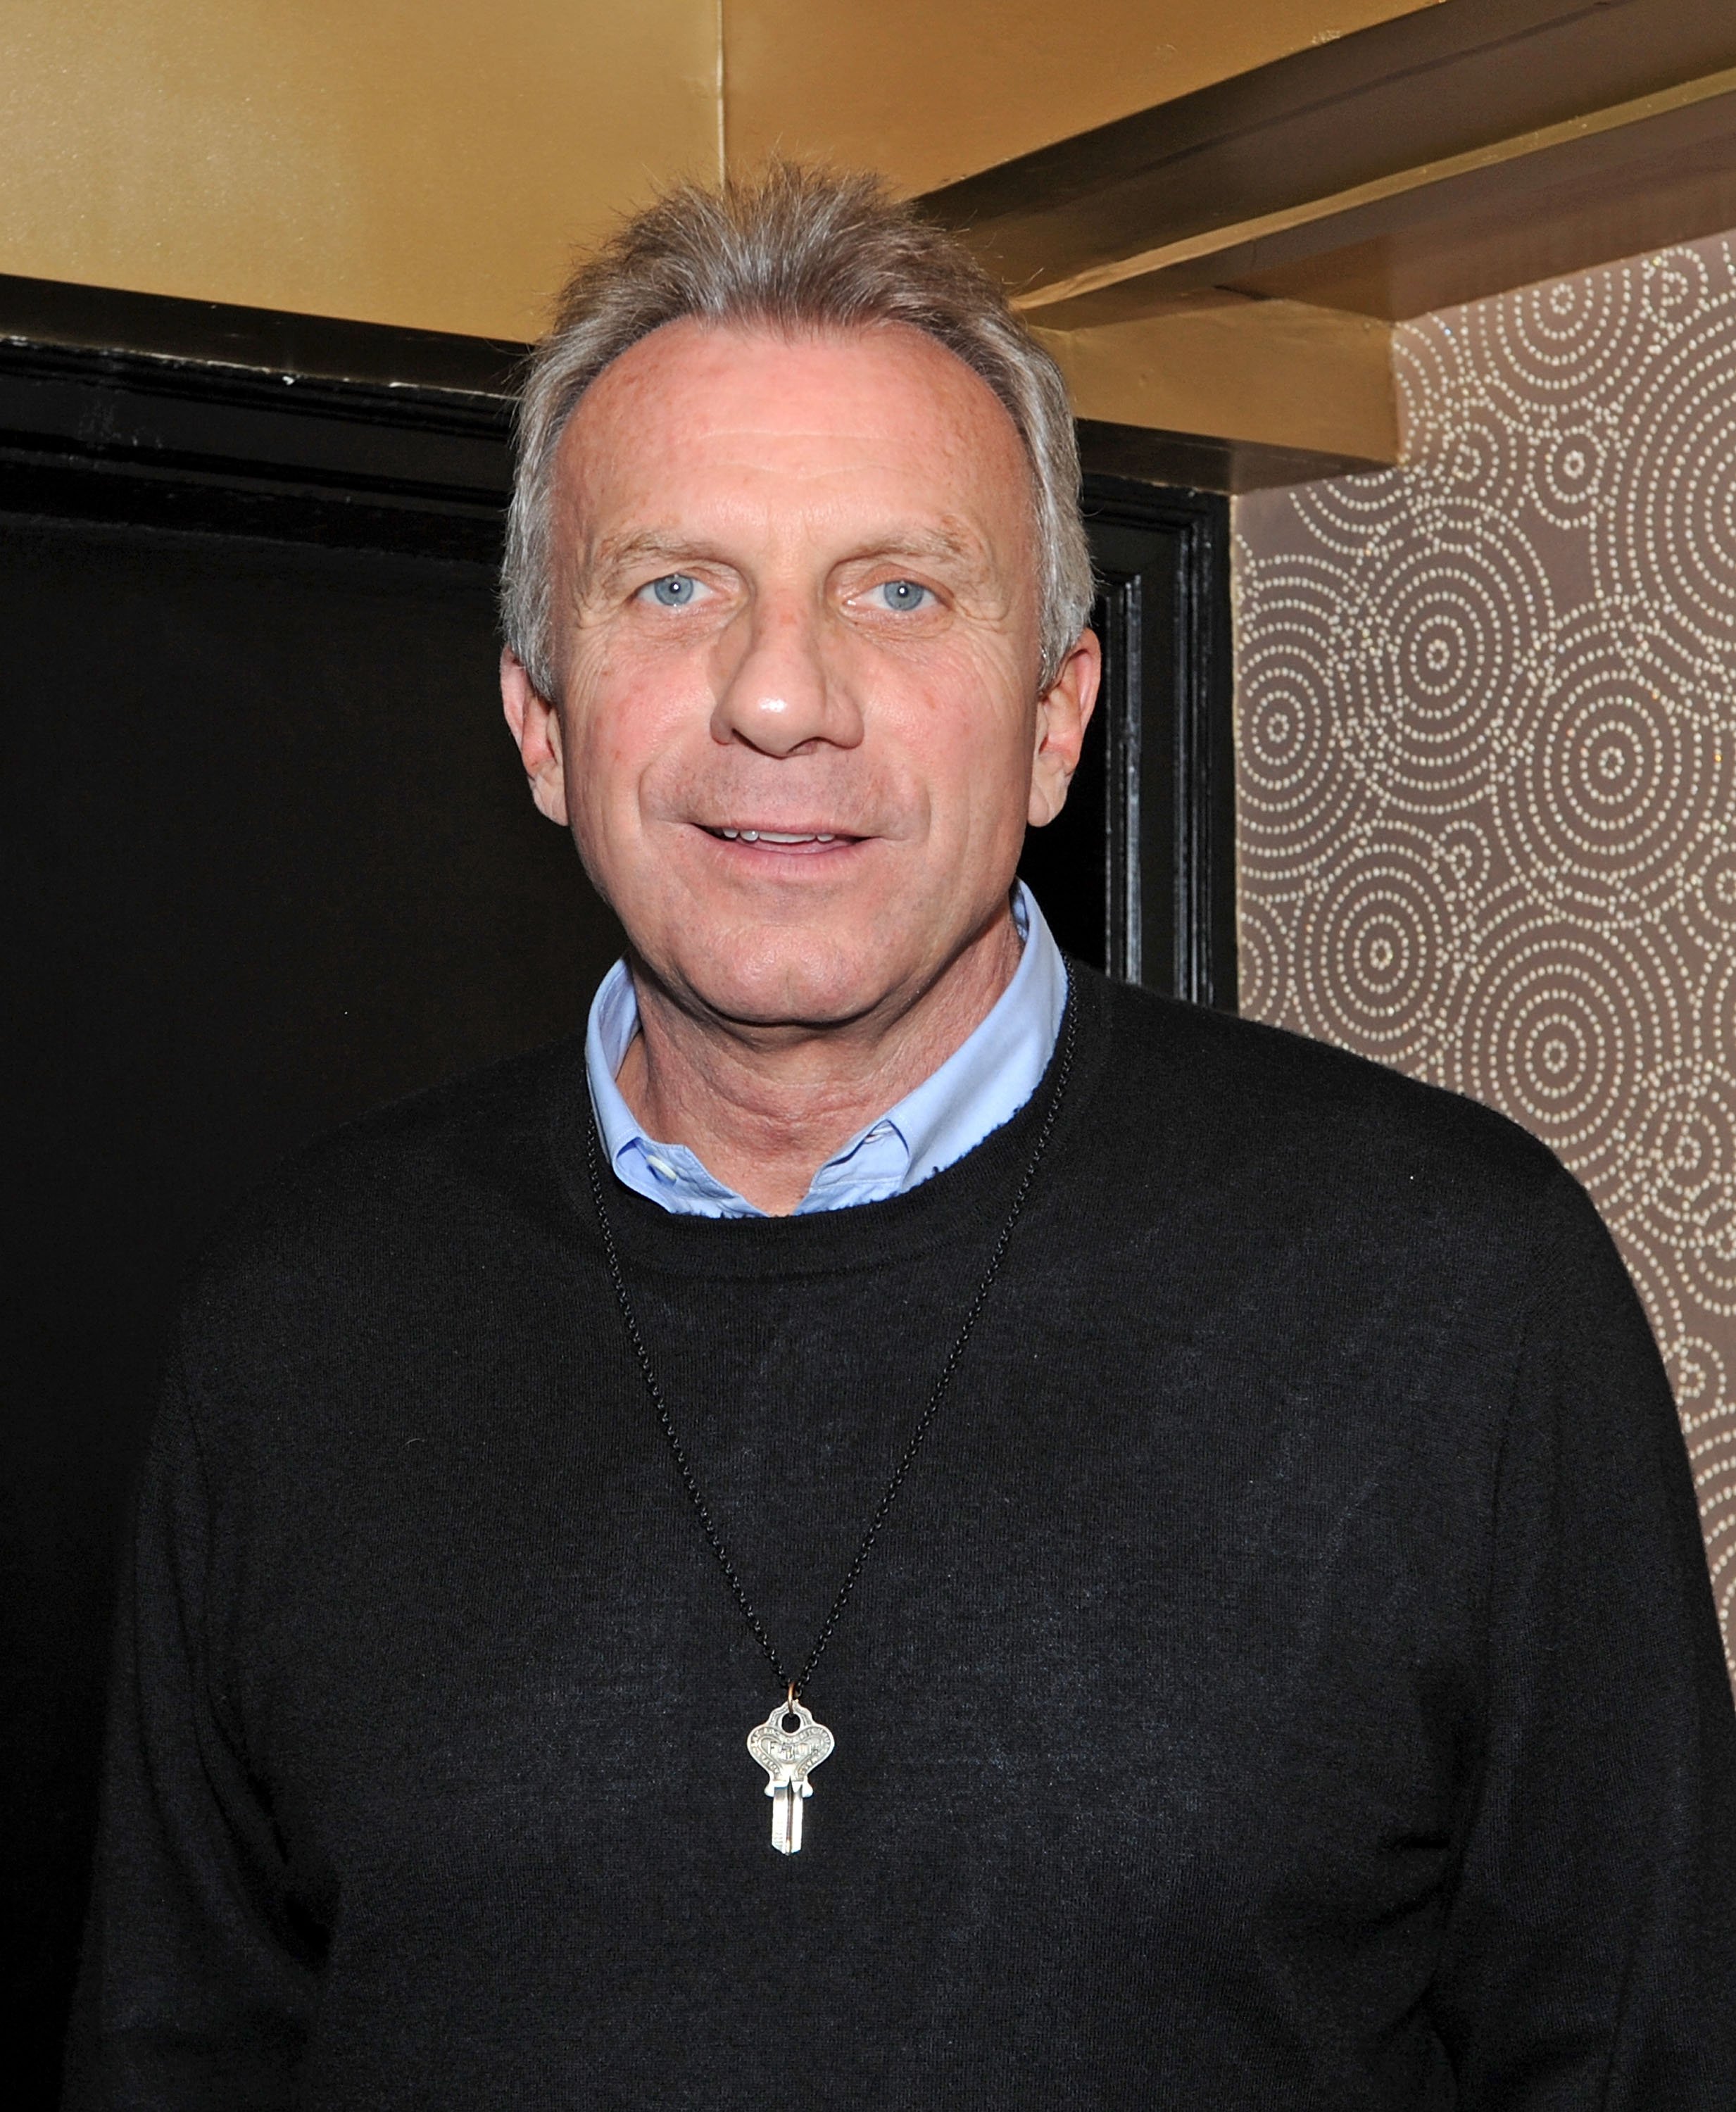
(536, 727)
(1063, 713)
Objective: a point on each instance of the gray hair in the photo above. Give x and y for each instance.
(796, 249)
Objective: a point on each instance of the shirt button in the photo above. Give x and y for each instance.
(662, 1168)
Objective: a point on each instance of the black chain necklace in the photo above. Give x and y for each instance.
(788, 1751)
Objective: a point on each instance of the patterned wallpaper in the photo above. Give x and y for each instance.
(1486, 748)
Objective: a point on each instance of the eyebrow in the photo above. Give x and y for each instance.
(614, 554)
(617, 554)
(948, 541)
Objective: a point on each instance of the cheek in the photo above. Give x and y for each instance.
(970, 734)
(631, 724)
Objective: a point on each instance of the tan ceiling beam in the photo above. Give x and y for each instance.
(1313, 149)
(1519, 234)
(1603, 146)
(1312, 383)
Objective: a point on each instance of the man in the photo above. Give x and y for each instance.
(1194, 1523)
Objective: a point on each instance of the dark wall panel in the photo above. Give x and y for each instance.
(269, 861)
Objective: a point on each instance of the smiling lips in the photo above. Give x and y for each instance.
(783, 839)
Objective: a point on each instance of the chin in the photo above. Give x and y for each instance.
(806, 982)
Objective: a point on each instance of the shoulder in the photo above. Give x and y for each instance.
(415, 1192)
(451, 1141)
(1380, 1247)
(1293, 1129)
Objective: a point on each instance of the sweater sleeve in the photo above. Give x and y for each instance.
(195, 1990)
(1590, 1955)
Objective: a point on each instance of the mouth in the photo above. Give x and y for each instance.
(782, 839)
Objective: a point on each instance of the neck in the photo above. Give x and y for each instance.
(764, 1108)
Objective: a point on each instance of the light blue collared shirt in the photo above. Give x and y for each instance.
(982, 1084)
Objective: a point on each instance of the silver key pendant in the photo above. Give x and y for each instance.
(789, 1757)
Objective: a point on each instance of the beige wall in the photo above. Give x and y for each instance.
(431, 162)
(427, 162)
(1485, 751)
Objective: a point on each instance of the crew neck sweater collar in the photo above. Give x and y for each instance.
(957, 1204)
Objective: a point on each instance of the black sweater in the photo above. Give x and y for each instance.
(1289, 1676)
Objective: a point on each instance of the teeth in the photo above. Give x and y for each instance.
(773, 836)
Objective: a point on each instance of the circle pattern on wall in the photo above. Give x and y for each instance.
(1487, 758)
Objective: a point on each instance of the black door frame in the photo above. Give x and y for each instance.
(1162, 614)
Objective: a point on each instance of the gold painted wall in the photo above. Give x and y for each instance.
(426, 162)
(432, 162)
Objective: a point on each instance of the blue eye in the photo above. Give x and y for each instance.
(902, 594)
(674, 590)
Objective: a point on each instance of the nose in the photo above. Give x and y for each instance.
(781, 696)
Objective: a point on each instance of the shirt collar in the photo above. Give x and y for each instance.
(984, 1083)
